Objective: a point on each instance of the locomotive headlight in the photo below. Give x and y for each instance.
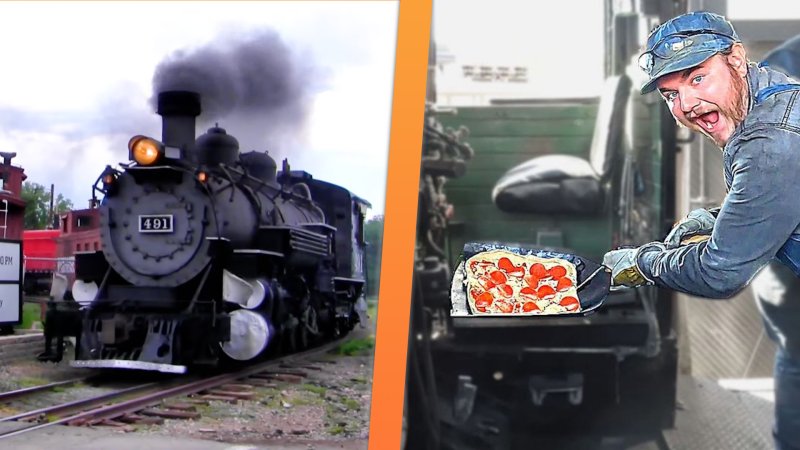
(109, 180)
(144, 150)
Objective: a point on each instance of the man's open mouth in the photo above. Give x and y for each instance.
(708, 120)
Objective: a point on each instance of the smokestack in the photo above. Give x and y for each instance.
(178, 110)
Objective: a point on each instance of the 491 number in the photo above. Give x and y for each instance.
(155, 223)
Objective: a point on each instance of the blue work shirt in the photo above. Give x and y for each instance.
(760, 212)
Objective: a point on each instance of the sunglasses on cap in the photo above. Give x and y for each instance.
(681, 43)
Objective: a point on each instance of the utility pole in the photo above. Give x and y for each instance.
(50, 216)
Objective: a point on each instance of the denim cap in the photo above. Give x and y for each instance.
(684, 42)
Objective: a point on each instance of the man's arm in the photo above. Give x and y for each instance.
(760, 212)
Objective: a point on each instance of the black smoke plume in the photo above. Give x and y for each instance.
(253, 84)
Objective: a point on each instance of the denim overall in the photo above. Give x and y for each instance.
(787, 367)
(789, 254)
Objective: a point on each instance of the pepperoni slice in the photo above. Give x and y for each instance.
(532, 281)
(474, 293)
(508, 267)
(483, 301)
(505, 265)
(480, 265)
(504, 306)
(527, 290)
(571, 303)
(563, 284)
(486, 298)
(528, 293)
(519, 272)
(498, 277)
(502, 290)
(557, 272)
(530, 306)
(486, 282)
(538, 270)
(546, 292)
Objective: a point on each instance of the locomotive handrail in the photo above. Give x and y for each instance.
(320, 225)
(259, 252)
(278, 191)
(349, 280)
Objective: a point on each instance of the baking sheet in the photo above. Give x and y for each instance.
(591, 294)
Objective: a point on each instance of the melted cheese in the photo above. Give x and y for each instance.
(481, 270)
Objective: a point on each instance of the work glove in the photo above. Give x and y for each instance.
(699, 221)
(624, 265)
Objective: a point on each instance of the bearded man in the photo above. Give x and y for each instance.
(700, 68)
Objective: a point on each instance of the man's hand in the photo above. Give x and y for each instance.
(699, 221)
(624, 267)
(624, 272)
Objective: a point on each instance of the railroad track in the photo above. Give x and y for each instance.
(8, 395)
(128, 401)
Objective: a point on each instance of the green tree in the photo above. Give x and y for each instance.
(37, 207)
(373, 235)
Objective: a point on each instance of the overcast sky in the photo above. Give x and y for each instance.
(77, 79)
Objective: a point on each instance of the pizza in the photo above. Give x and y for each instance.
(501, 282)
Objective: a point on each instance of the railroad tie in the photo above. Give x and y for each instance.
(295, 372)
(113, 423)
(180, 406)
(139, 419)
(237, 387)
(221, 398)
(249, 395)
(287, 377)
(170, 414)
(261, 383)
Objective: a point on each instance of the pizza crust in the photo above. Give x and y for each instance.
(499, 282)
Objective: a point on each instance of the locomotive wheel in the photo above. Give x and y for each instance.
(308, 329)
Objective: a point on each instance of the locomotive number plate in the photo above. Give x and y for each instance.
(155, 223)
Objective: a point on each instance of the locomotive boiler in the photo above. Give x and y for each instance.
(213, 256)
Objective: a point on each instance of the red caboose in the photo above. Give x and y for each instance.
(80, 232)
(53, 251)
(39, 248)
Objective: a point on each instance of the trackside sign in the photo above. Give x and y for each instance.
(10, 282)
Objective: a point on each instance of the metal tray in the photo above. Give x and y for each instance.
(594, 280)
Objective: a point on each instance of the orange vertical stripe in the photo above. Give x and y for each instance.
(399, 234)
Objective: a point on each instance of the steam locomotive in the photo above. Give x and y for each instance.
(211, 256)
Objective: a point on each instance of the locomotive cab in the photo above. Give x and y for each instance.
(578, 176)
(554, 372)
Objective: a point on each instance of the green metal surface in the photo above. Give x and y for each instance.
(503, 137)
